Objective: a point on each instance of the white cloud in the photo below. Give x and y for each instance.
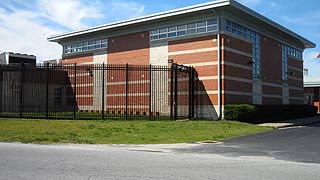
(307, 19)
(26, 30)
(69, 13)
(125, 10)
(19, 33)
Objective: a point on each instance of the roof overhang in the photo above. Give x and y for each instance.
(181, 11)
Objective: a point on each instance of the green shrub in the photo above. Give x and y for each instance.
(238, 111)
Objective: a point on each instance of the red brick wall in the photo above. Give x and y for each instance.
(293, 80)
(199, 43)
(271, 61)
(132, 49)
(228, 71)
(79, 59)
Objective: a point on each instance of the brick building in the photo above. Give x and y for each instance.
(239, 55)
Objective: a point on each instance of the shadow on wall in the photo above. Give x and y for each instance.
(204, 107)
(30, 89)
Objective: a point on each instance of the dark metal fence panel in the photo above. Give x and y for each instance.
(118, 92)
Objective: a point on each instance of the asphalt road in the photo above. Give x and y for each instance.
(82, 162)
(297, 144)
(270, 155)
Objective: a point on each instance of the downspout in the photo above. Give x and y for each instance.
(219, 65)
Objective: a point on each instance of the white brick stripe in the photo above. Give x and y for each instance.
(272, 84)
(297, 89)
(129, 106)
(236, 51)
(296, 98)
(80, 85)
(192, 51)
(281, 86)
(129, 82)
(79, 74)
(237, 93)
(237, 65)
(237, 79)
(212, 63)
(272, 96)
(81, 96)
(129, 94)
(294, 68)
(207, 78)
(294, 78)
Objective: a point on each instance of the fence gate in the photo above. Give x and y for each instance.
(182, 92)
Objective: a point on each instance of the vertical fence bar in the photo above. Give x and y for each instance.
(75, 90)
(175, 93)
(103, 100)
(21, 90)
(127, 76)
(150, 92)
(192, 92)
(47, 92)
(171, 94)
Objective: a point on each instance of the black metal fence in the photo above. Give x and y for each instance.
(124, 92)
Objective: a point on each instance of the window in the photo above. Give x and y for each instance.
(85, 46)
(172, 31)
(185, 29)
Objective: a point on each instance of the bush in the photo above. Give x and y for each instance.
(267, 113)
(238, 112)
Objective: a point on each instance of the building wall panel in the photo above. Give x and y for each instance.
(131, 48)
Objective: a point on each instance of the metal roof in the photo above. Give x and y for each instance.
(180, 11)
(309, 81)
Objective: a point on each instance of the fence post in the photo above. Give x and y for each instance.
(171, 93)
(150, 92)
(175, 93)
(103, 89)
(75, 90)
(47, 92)
(21, 90)
(192, 92)
(127, 75)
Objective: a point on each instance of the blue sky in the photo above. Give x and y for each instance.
(25, 25)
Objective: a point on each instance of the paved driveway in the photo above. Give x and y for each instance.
(300, 144)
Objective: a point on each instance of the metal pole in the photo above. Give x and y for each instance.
(171, 94)
(150, 92)
(176, 94)
(21, 91)
(75, 91)
(47, 91)
(127, 75)
(192, 92)
(103, 101)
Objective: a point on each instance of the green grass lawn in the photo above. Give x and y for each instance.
(121, 132)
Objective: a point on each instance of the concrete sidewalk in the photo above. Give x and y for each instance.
(293, 122)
